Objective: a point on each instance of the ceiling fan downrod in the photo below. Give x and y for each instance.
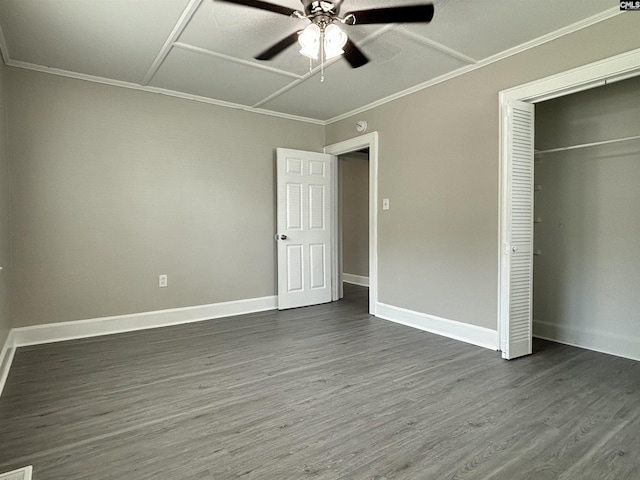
(322, 12)
(323, 16)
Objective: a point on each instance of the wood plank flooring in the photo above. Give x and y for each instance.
(324, 392)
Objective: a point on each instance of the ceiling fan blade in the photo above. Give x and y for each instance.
(270, 7)
(354, 55)
(403, 14)
(275, 49)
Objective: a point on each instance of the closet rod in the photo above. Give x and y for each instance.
(584, 145)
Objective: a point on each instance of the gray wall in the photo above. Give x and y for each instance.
(5, 321)
(587, 278)
(354, 183)
(438, 165)
(112, 187)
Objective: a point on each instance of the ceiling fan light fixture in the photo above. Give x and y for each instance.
(322, 38)
(309, 41)
(334, 41)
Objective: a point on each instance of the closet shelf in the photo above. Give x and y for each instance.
(585, 145)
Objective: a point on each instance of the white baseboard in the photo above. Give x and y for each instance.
(6, 357)
(480, 336)
(355, 279)
(599, 341)
(20, 474)
(56, 332)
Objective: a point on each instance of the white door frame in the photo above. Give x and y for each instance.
(619, 67)
(370, 141)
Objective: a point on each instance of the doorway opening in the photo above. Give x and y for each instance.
(349, 149)
(515, 273)
(353, 219)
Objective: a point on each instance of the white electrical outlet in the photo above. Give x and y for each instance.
(163, 280)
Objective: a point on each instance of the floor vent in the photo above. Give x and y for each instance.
(20, 474)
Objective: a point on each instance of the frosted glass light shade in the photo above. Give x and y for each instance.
(334, 41)
(309, 40)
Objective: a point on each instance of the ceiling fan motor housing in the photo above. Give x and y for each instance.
(324, 13)
(321, 8)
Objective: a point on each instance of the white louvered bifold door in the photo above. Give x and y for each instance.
(304, 228)
(518, 250)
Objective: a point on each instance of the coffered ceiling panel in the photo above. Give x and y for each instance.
(388, 72)
(481, 29)
(207, 47)
(117, 39)
(216, 78)
(240, 32)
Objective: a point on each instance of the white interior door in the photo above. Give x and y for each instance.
(517, 274)
(304, 228)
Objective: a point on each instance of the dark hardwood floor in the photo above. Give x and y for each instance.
(324, 392)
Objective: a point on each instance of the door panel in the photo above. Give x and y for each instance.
(294, 268)
(304, 229)
(518, 272)
(294, 206)
(317, 264)
(317, 202)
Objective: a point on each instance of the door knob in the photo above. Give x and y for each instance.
(514, 249)
(283, 237)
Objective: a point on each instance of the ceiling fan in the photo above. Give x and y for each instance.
(323, 36)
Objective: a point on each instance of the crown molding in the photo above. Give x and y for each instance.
(161, 91)
(612, 12)
(587, 22)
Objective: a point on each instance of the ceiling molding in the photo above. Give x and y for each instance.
(587, 22)
(181, 24)
(194, 4)
(161, 91)
(283, 90)
(314, 71)
(437, 46)
(239, 61)
(318, 68)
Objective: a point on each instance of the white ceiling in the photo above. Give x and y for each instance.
(205, 48)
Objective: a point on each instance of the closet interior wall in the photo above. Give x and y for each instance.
(587, 220)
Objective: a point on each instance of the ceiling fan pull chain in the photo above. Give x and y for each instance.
(322, 55)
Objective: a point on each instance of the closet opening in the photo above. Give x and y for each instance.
(522, 235)
(586, 225)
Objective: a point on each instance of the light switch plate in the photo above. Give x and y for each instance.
(385, 204)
